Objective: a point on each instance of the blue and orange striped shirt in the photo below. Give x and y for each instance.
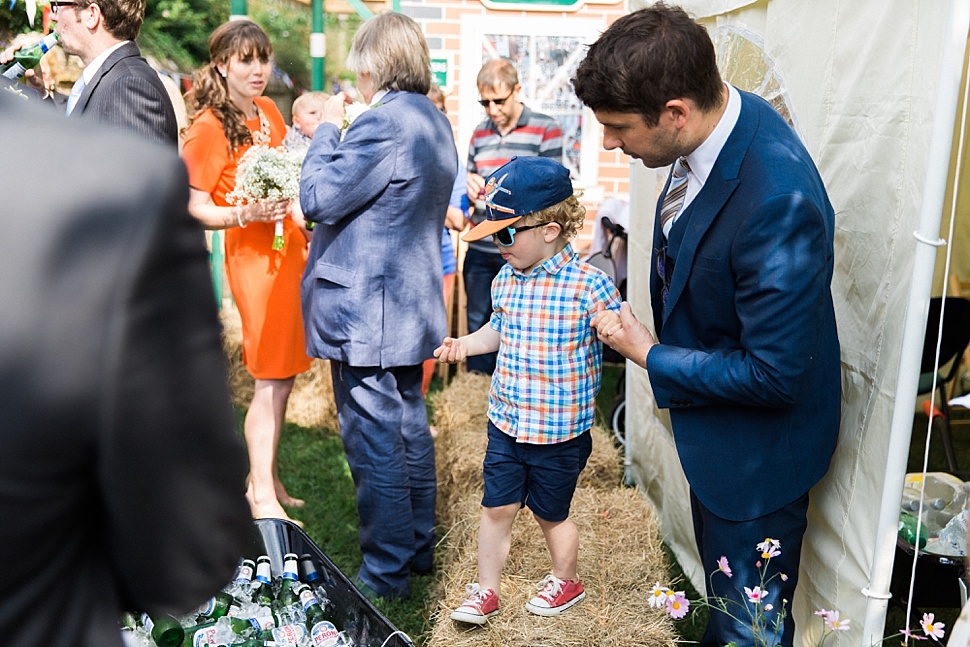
(549, 360)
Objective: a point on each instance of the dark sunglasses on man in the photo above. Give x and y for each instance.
(499, 102)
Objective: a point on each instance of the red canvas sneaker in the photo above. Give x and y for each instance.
(555, 596)
(480, 605)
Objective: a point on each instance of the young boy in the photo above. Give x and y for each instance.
(307, 114)
(542, 397)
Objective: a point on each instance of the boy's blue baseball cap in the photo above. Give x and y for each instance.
(522, 186)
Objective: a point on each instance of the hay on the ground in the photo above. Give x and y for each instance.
(620, 558)
(311, 401)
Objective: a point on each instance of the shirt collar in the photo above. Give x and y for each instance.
(380, 94)
(91, 68)
(702, 160)
(553, 264)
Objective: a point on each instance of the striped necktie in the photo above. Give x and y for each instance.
(75, 93)
(676, 193)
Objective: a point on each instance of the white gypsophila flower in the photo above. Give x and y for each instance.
(266, 174)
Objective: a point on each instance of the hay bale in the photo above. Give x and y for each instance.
(620, 558)
(311, 402)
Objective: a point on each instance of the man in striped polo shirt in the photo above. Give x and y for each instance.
(510, 130)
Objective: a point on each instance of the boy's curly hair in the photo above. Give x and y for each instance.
(568, 214)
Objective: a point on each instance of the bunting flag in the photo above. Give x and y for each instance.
(31, 11)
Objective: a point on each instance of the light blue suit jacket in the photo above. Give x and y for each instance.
(749, 361)
(373, 281)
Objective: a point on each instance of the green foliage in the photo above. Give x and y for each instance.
(288, 25)
(14, 21)
(176, 32)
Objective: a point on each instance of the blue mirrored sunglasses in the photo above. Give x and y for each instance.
(506, 236)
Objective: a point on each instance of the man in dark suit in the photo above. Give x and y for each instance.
(747, 352)
(372, 288)
(121, 472)
(117, 86)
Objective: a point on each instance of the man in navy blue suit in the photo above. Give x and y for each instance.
(746, 356)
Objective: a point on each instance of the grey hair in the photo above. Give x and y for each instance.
(392, 49)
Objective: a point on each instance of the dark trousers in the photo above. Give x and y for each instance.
(384, 427)
(738, 541)
(479, 270)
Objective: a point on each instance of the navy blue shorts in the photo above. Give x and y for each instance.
(542, 477)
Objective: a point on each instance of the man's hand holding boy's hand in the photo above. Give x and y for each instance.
(623, 333)
(451, 351)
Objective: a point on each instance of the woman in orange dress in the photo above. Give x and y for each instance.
(231, 115)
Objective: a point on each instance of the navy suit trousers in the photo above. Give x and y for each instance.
(717, 537)
(384, 427)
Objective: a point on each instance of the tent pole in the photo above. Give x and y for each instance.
(931, 210)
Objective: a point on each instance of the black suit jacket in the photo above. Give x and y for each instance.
(126, 92)
(121, 471)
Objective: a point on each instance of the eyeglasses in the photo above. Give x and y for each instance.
(57, 4)
(499, 102)
(506, 236)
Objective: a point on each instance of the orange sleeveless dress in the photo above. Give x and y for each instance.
(265, 283)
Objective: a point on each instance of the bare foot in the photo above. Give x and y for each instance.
(269, 509)
(286, 499)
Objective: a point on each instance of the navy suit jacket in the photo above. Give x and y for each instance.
(373, 282)
(748, 361)
(127, 93)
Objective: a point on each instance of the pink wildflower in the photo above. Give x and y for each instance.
(677, 605)
(932, 629)
(755, 595)
(832, 622)
(724, 567)
(910, 635)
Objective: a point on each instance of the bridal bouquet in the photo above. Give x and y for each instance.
(267, 175)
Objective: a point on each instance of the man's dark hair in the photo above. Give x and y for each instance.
(647, 58)
(122, 18)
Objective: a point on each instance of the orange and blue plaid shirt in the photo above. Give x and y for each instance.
(549, 360)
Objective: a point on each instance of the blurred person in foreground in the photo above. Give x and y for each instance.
(117, 87)
(230, 116)
(372, 288)
(510, 129)
(120, 466)
(746, 356)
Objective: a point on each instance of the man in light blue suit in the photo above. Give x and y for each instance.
(372, 288)
(747, 357)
